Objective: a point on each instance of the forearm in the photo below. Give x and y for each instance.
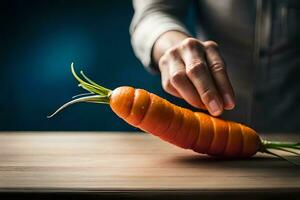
(152, 19)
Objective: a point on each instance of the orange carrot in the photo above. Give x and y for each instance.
(182, 127)
(197, 131)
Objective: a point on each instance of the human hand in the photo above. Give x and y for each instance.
(195, 71)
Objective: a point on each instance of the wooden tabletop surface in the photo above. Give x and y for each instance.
(117, 161)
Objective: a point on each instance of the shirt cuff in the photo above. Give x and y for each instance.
(146, 34)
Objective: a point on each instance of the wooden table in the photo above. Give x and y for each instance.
(133, 165)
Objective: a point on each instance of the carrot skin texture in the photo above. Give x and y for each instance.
(182, 127)
(121, 101)
(175, 125)
(250, 144)
(235, 141)
(219, 142)
(186, 135)
(206, 133)
(157, 119)
(192, 131)
(139, 107)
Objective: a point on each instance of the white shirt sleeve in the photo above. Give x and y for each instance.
(151, 19)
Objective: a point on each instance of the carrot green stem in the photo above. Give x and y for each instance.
(89, 99)
(89, 84)
(275, 144)
(288, 150)
(97, 93)
(288, 147)
(81, 95)
(283, 157)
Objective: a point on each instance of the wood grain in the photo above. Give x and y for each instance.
(108, 161)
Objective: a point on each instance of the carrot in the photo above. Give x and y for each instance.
(197, 131)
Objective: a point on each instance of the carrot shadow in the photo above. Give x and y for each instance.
(254, 163)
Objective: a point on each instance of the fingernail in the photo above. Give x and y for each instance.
(228, 101)
(214, 107)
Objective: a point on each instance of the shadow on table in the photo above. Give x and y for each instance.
(261, 162)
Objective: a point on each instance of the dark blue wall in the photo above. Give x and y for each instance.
(39, 40)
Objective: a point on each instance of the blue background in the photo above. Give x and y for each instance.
(39, 40)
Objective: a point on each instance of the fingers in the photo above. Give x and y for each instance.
(196, 72)
(166, 83)
(193, 54)
(178, 78)
(218, 71)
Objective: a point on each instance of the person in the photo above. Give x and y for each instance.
(244, 59)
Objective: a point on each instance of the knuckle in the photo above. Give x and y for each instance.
(211, 44)
(163, 61)
(190, 43)
(178, 76)
(207, 95)
(224, 88)
(216, 67)
(172, 52)
(195, 68)
(166, 85)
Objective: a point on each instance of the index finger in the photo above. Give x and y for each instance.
(199, 74)
(218, 70)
